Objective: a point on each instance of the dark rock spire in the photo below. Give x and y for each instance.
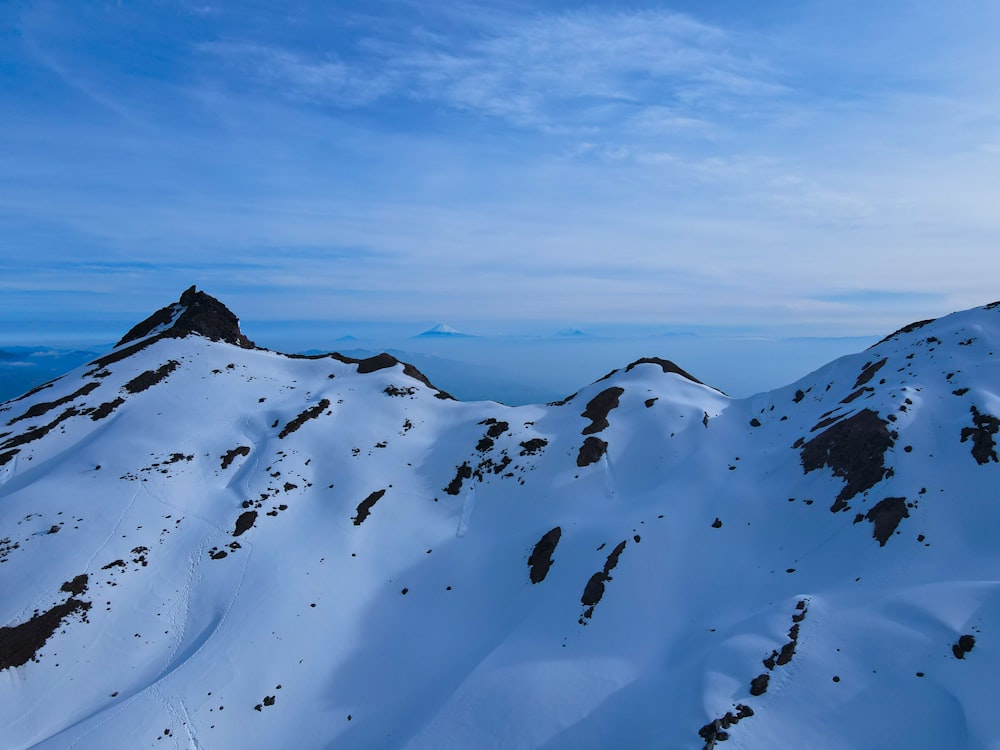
(195, 313)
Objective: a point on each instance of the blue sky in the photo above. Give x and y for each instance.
(790, 168)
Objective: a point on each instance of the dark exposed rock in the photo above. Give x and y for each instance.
(854, 448)
(868, 372)
(196, 313)
(33, 391)
(541, 556)
(755, 422)
(384, 361)
(76, 587)
(7, 456)
(365, 506)
(784, 656)
(964, 645)
(983, 445)
(393, 390)
(905, 329)
(666, 365)
(497, 429)
(311, 413)
(245, 522)
(159, 319)
(37, 433)
(799, 395)
(37, 410)
(533, 446)
(598, 408)
(105, 409)
(885, 515)
(563, 401)
(119, 354)
(591, 451)
(758, 685)
(594, 590)
(607, 375)
(612, 562)
(650, 401)
(826, 422)
(151, 377)
(229, 456)
(455, 485)
(715, 731)
(378, 362)
(788, 650)
(856, 394)
(20, 644)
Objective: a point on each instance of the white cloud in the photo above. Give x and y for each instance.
(326, 80)
(556, 72)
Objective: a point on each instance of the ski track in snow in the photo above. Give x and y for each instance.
(189, 726)
(256, 458)
(114, 529)
(7, 473)
(467, 508)
(610, 485)
(41, 602)
(195, 560)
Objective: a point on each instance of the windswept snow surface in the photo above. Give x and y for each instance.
(207, 545)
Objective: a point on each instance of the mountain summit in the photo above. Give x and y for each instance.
(195, 313)
(204, 544)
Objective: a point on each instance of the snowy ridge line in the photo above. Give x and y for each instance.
(867, 488)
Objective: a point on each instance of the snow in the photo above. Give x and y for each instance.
(441, 329)
(473, 654)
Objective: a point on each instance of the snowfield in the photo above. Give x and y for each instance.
(208, 545)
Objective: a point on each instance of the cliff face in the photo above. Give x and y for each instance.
(195, 313)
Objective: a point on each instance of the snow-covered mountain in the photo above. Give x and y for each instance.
(441, 330)
(205, 544)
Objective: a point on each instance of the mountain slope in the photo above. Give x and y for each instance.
(22, 368)
(205, 544)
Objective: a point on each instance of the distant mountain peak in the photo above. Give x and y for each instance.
(442, 329)
(196, 312)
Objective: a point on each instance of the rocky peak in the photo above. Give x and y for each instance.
(195, 312)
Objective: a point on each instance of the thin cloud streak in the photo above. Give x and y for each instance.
(561, 73)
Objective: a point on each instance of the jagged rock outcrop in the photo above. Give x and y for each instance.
(195, 313)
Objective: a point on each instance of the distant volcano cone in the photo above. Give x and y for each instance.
(442, 330)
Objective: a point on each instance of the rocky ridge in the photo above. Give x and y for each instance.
(204, 543)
